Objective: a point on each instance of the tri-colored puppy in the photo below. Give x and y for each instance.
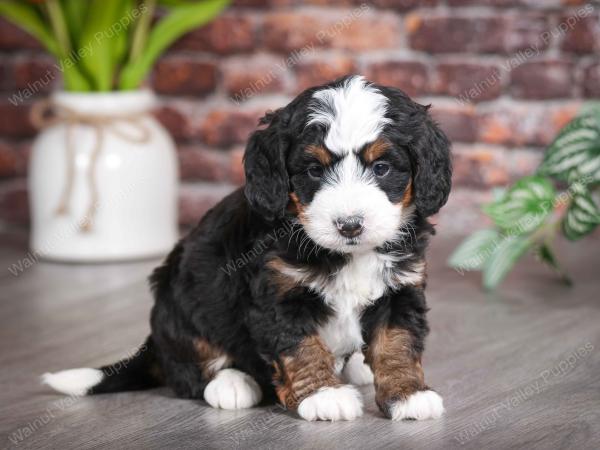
(320, 259)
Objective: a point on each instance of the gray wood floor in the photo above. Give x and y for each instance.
(517, 369)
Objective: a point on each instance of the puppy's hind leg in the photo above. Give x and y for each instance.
(232, 389)
(223, 386)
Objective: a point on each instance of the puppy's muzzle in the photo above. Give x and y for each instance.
(350, 227)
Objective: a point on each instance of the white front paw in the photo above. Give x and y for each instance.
(421, 405)
(232, 389)
(356, 371)
(332, 403)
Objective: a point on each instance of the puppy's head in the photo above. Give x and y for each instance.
(352, 161)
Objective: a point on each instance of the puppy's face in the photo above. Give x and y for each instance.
(353, 200)
(352, 161)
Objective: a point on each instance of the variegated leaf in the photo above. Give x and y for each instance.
(576, 148)
(524, 207)
(582, 216)
(503, 259)
(474, 251)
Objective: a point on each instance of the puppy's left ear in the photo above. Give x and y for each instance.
(267, 182)
(433, 177)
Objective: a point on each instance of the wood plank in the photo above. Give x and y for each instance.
(503, 362)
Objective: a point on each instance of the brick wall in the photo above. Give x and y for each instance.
(503, 77)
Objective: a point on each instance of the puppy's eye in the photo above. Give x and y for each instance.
(381, 168)
(315, 172)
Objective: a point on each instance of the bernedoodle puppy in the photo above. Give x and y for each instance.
(311, 278)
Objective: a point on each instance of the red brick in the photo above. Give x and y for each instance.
(262, 3)
(592, 81)
(538, 4)
(355, 30)
(404, 5)
(7, 81)
(458, 122)
(180, 75)
(225, 35)
(196, 199)
(245, 78)
(9, 160)
(236, 166)
(518, 125)
(15, 120)
(14, 202)
(492, 34)
(469, 82)
(13, 38)
(574, 2)
(318, 71)
(582, 34)
(225, 127)
(409, 76)
(199, 163)
(176, 120)
(484, 2)
(479, 166)
(543, 80)
(399, 5)
(521, 163)
(38, 74)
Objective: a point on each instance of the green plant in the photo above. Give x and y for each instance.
(104, 45)
(531, 213)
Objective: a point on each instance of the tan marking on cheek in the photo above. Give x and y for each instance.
(297, 208)
(322, 154)
(310, 367)
(396, 367)
(408, 195)
(375, 151)
(282, 281)
(210, 358)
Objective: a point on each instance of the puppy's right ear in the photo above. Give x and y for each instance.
(267, 182)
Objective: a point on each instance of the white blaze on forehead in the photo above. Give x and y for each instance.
(353, 112)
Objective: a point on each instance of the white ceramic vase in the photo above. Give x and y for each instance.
(121, 202)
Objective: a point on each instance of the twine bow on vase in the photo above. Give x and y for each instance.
(48, 113)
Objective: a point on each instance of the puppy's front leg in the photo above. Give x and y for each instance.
(400, 389)
(305, 380)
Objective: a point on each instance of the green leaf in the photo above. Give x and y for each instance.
(524, 207)
(176, 23)
(59, 25)
(121, 37)
(582, 216)
(99, 37)
(474, 251)
(26, 17)
(504, 257)
(545, 254)
(141, 29)
(576, 148)
(75, 13)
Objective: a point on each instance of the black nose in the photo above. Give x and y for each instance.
(350, 226)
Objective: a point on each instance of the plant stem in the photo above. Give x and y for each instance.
(142, 27)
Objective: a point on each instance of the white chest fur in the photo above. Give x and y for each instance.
(358, 284)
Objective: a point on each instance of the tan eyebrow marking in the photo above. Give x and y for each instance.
(322, 154)
(376, 150)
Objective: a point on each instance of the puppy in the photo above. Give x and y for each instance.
(311, 277)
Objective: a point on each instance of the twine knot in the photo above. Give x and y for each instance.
(48, 113)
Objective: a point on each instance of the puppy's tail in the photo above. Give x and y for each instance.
(136, 372)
